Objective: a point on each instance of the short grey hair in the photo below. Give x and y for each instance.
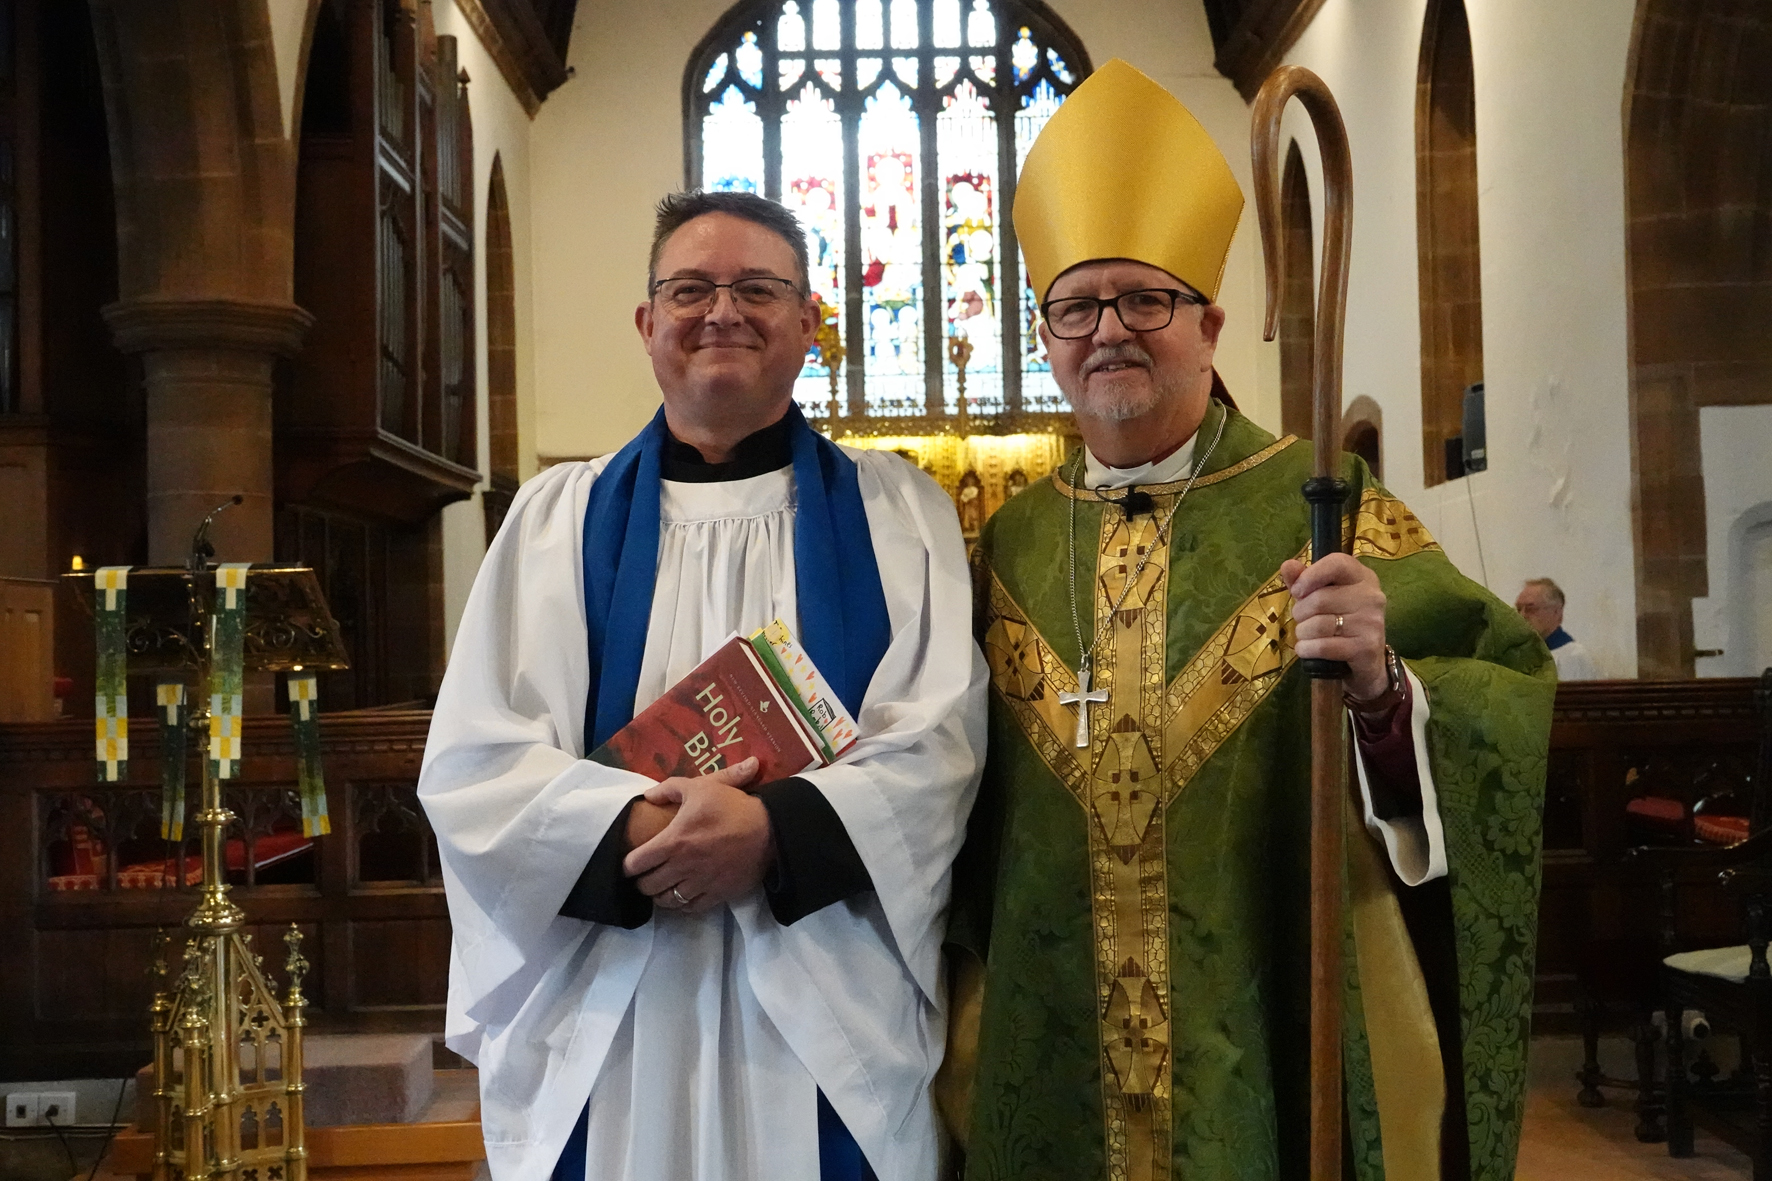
(1550, 588)
(679, 209)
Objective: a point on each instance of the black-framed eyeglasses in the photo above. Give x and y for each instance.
(695, 297)
(1149, 309)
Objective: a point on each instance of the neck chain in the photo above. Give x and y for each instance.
(1087, 663)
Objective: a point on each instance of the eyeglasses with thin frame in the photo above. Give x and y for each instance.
(695, 297)
(1149, 309)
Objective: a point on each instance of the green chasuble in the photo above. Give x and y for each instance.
(1140, 903)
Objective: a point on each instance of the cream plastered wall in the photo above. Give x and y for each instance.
(609, 144)
(502, 129)
(1549, 83)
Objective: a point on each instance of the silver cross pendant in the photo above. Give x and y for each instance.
(1083, 699)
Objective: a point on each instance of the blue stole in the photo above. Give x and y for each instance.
(843, 627)
(1557, 639)
(843, 624)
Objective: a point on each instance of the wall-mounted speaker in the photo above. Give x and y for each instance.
(1476, 445)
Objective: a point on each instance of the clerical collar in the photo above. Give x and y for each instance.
(767, 450)
(1177, 465)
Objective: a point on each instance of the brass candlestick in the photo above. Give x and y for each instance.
(960, 352)
(829, 343)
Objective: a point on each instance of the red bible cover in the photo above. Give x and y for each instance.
(728, 709)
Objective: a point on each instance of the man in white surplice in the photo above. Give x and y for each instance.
(753, 991)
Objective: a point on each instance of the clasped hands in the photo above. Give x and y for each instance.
(1339, 588)
(699, 843)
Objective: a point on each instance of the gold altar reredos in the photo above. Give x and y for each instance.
(979, 471)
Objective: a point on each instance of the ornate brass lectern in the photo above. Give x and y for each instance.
(227, 1049)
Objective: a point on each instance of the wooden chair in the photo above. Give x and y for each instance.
(1731, 985)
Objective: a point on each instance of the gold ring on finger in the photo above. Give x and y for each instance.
(1338, 622)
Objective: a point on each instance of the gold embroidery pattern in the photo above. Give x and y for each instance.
(1385, 528)
(1236, 469)
(1127, 852)
(1226, 679)
(1030, 677)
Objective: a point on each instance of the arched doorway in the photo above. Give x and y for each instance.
(501, 354)
(1446, 230)
(1362, 432)
(1298, 305)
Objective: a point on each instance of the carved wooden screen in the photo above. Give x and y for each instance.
(895, 129)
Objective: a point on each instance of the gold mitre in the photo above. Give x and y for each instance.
(1123, 170)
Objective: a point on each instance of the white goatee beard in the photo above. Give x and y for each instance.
(1116, 401)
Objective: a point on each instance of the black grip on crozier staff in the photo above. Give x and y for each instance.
(1325, 495)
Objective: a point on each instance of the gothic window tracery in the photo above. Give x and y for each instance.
(895, 129)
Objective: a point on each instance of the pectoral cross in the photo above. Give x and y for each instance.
(1083, 699)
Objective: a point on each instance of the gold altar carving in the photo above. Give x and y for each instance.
(1003, 464)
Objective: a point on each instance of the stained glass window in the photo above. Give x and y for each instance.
(895, 129)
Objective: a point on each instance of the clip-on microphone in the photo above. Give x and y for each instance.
(1136, 501)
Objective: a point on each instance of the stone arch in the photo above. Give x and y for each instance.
(1446, 229)
(501, 353)
(1362, 432)
(203, 166)
(1298, 302)
(1698, 207)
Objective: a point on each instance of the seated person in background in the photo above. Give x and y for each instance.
(1541, 602)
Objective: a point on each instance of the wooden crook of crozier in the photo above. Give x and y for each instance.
(1325, 492)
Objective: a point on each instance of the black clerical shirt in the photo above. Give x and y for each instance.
(816, 862)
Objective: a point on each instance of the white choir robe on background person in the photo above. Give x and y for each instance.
(701, 1041)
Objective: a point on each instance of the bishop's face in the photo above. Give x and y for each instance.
(1152, 386)
(729, 370)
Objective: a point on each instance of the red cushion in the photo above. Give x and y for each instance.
(1657, 810)
(267, 850)
(1719, 830)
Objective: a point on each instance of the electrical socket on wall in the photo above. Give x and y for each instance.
(39, 1109)
(22, 1109)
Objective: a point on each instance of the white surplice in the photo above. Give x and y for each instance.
(701, 1041)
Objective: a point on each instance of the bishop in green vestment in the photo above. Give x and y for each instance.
(1130, 925)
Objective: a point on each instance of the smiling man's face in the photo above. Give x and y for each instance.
(1154, 382)
(731, 369)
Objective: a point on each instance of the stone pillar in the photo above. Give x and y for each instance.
(208, 365)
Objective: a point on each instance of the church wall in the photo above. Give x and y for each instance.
(1737, 615)
(502, 129)
(609, 144)
(1549, 81)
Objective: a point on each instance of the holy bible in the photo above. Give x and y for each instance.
(759, 697)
